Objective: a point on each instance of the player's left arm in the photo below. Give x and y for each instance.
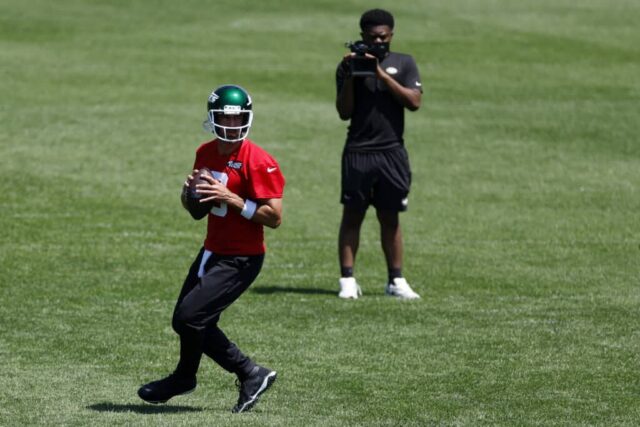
(267, 211)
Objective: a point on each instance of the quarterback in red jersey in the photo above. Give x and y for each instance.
(251, 173)
(246, 186)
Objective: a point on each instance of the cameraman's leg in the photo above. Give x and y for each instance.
(390, 198)
(391, 238)
(349, 236)
(355, 197)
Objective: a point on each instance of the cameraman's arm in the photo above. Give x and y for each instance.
(344, 99)
(410, 98)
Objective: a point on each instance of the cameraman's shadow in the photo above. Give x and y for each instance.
(142, 408)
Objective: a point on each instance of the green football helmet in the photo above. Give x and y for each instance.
(229, 100)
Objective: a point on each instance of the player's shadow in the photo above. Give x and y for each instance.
(142, 408)
(268, 290)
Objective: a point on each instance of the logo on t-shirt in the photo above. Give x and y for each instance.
(234, 165)
(392, 70)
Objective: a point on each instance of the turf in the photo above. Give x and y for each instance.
(522, 234)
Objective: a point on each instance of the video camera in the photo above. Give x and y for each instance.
(361, 65)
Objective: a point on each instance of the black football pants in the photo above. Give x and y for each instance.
(198, 310)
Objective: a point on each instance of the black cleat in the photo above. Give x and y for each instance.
(162, 390)
(251, 388)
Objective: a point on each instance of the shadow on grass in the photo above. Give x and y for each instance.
(290, 290)
(142, 408)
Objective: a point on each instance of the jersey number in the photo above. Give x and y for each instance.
(222, 209)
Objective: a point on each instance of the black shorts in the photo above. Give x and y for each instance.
(381, 179)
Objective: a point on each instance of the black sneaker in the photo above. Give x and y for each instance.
(251, 388)
(162, 390)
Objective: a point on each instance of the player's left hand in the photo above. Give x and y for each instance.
(213, 190)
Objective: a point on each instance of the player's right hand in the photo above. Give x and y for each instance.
(190, 177)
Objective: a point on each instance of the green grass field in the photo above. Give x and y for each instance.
(522, 236)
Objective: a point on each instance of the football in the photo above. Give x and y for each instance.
(191, 199)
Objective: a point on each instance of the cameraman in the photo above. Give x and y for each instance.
(375, 164)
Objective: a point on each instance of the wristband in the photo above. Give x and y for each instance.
(248, 209)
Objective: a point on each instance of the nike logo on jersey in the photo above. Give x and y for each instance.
(269, 170)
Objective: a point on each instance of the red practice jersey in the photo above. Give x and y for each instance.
(251, 173)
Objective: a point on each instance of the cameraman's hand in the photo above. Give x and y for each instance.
(409, 98)
(380, 73)
(346, 64)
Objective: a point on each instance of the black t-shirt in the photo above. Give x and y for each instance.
(377, 122)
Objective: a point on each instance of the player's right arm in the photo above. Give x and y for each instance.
(185, 188)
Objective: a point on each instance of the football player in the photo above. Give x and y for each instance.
(246, 184)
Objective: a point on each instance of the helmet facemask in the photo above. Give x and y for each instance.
(229, 101)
